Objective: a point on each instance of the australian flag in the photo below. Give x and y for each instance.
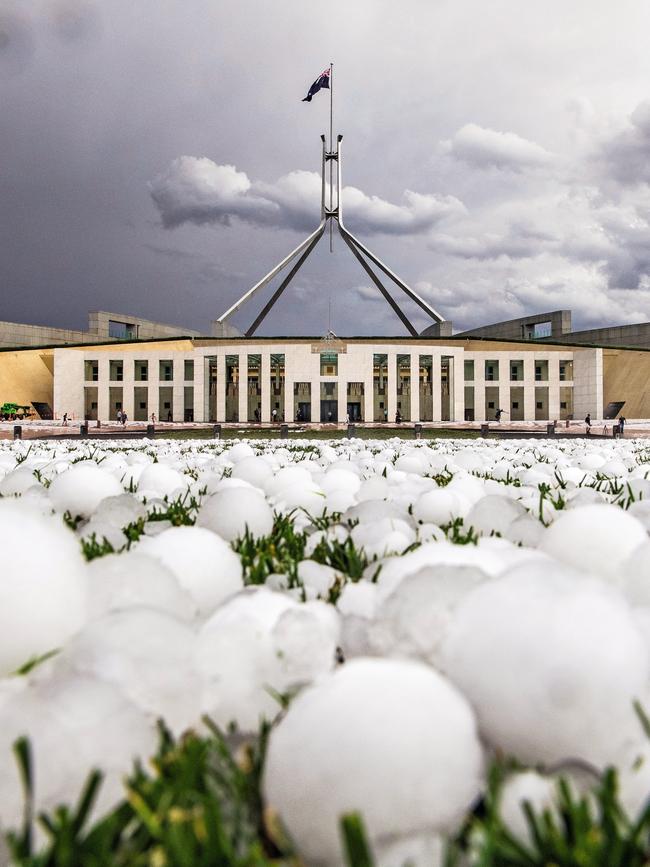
(323, 80)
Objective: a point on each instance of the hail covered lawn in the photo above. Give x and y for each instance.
(407, 616)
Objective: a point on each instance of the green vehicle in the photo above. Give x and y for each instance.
(10, 411)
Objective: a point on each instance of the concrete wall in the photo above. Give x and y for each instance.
(514, 329)
(145, 329)
(588, 383)
(626, 376)
(26, 376)
(617, 335)
(16, 334)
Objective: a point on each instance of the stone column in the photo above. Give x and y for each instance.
(554, 386)
(199, 388)
(265, 373)
(221, 387)
(242, 411)
(128, 383)
(391, 396)
(415, 386)
(436, 373)
(529, 387)
(103, 384)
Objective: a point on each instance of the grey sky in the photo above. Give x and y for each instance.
(156, 158)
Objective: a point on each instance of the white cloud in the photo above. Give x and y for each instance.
(486, 148)
(198, 190)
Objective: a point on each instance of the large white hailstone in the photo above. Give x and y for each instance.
(305, 639)
(317, 577)
(239, 452)
(81, 489)
(590, 461)
(371, 511)
(231, 512)
(539, 791)
(412, 462)
(102, 531)
(551, 662)
(288, 478)
(257, 644)
(162, 481)
(204, 564)
(120, 511)
(392, 740)
(252, 469)
(468, 460)
(42, 599)
(375, 488)
(439, 506)
(119, 581)
(417, 850)
(148, 654)
(596, 539)
(15, 483)
(584, 497)
(74, 723)
(358, 599)
(641, 511)
(525, 531)
(336, 479)
(386, 536)
(413, 621)
(494, 514)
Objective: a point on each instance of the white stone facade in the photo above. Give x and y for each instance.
(547, 380)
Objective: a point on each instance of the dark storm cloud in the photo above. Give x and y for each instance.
(97, 98)
(625, 156)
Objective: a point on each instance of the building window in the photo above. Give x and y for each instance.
(189, 370)
(537, 330)
(141, 371)
(469, 371)
(491, 371)
(122, 330)
(566, 371)
(166, 373)
(116, 369)
(516, 371)
(541, 371)
(563, 404)
(329, 364)
(539, 404)
(515, 404)
(91, 371)
(491, 404)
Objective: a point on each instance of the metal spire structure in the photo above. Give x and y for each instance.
(298, 256)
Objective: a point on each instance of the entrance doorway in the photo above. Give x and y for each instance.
(354, 411)
(329, 411)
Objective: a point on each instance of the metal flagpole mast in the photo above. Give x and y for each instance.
(331, 145)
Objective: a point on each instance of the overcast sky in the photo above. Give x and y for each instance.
(156, 158)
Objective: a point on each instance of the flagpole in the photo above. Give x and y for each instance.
(331, 143)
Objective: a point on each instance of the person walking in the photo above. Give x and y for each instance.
(153, 418)
(119, 416)
(498, 415)
(398, 417)
(588, 422)
(124, 419)
(621, 425)
(274, 415)
(65, 419)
